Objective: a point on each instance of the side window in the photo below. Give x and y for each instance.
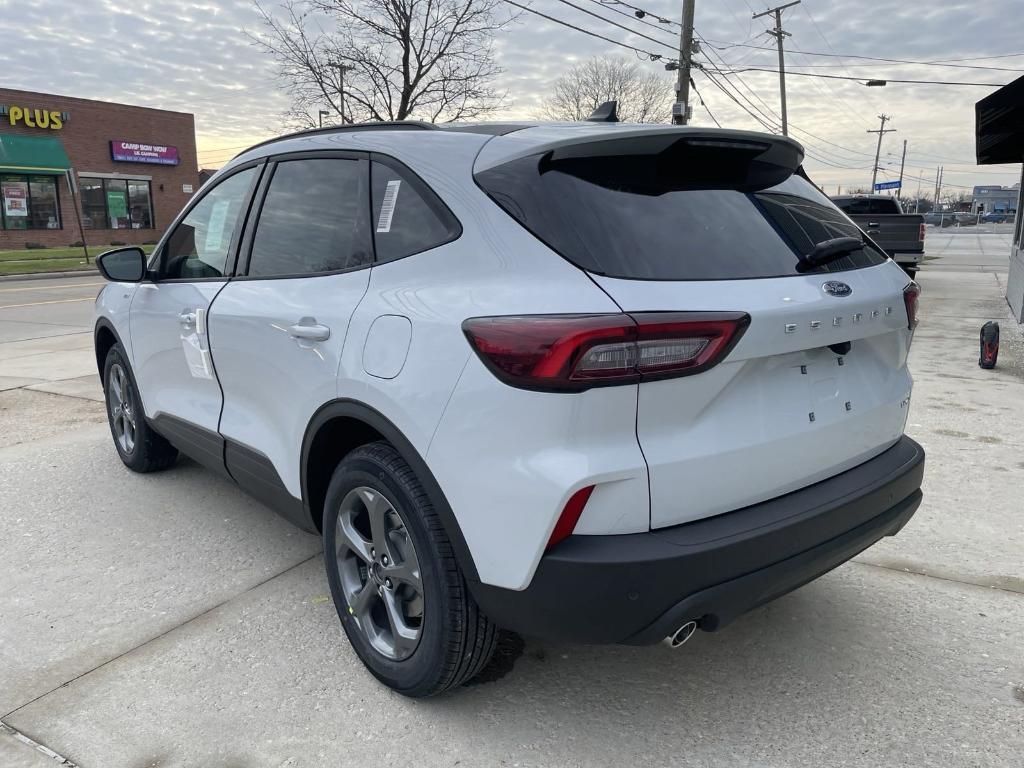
(200, 244)
(407, 216)
(855, 207)
(883, 207)
(314, 219)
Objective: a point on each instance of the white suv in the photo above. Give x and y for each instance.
(600, 383)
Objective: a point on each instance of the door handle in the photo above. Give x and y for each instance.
(310, 330)
(187, 319)
(874, 224)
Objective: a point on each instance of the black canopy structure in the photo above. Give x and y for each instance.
(1000, 125)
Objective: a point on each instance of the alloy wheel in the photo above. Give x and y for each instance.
(122, 409)
(380, 573)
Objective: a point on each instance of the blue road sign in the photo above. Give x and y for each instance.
(888, 185)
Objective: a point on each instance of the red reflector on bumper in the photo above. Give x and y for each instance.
(570, 515)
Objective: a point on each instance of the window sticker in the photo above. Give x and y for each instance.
(215, 229)
(387, 208)
(15, 194)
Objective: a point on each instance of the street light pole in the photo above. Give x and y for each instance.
(342, 69)
(903, 163)
(681, 109)
(780, 34)
(878, 152)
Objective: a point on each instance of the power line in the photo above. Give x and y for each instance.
(616, 24)
(701, 100)
(652, 56)
(613, 9)
(644, 11)
(982, 58)
(821, 34)
(772, 118)
(780, 36)
(858, 79)
(831, 90)
(833, 55)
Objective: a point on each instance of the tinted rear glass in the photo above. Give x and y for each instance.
(860, 206)
(660, 230)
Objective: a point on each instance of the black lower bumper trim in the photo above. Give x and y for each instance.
(638, 588)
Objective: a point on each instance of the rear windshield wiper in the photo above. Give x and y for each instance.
(828, 251)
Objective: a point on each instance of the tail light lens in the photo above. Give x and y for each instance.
(572, 353)
(911, 295)
(920, 232)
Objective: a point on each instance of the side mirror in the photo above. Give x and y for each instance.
(123, 265)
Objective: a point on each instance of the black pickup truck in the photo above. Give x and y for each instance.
(900, 234)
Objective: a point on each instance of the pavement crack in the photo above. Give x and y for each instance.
(160, 635)
(1009, 585)
(14, 733)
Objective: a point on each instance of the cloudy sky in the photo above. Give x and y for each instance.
(194, 56)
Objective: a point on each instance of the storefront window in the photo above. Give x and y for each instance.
(139, 208)
(116, 204)
(44, 212)
(94, 209)
(29, 202)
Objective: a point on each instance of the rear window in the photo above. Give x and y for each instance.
(655, 228)
(862, 206)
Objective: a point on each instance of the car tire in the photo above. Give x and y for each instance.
(911, 272)
(139, 446)
(421, 632)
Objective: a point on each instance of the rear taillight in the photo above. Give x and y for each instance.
(920, 232)
(571, 353)
(911, 297)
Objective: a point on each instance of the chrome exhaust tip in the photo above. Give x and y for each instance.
(681, 635)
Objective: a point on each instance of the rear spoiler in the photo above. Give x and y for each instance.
(699, 158)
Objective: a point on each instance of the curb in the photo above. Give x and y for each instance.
(49, 275)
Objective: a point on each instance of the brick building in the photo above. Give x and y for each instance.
(74, 169)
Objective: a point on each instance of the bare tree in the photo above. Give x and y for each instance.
(404, 59)
(644, 97)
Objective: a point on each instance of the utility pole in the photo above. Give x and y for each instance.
(878, 152)
(903, 163)
(342, 69)
(938, 183)
(681, 109)
(779, 34)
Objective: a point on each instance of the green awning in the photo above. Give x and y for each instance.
(32, 154)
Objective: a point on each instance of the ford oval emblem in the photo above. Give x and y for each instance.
(835, 288)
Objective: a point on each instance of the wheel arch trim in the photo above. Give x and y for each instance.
(104, 324)
(358, 411)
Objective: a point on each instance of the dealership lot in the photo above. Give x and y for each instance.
(169, 620)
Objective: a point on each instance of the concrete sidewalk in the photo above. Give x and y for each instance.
(169, 620)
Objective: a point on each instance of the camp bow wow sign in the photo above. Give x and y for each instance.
(134, 152)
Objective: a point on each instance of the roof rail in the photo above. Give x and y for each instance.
(368, 126)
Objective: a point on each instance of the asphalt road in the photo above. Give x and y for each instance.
(169, 620)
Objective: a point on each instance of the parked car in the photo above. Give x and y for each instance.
(901, 235)
(993, 217)
(938, 219)
(593, 383)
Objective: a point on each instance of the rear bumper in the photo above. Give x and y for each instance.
(638, 588)
(908, 257)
